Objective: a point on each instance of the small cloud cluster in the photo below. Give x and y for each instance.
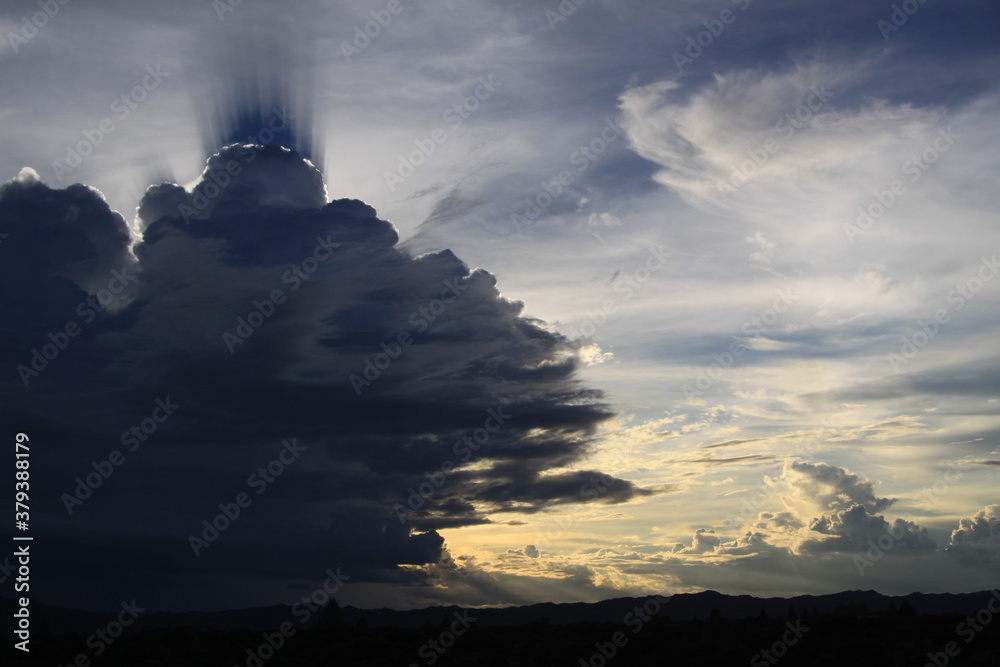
(704, 541)
(854, 529)
(977, 538)
(822, 487)
(828, 510)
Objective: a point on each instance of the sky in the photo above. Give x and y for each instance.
(499, 302)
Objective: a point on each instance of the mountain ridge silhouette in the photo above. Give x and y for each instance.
(678, 607)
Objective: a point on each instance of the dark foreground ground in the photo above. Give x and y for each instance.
(823, 640)
(846, 635)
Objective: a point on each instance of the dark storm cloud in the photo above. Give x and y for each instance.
(527, 486)
(262, 314)
(67, 245)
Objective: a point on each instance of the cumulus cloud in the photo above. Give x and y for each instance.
(704, 541)
(828, 510)
(821, 487)
(977, 538)
(751, 544)
(778, 522)
(529, 551)
(62, 243)
(266, 312)
(834, 510)
(855, 529)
